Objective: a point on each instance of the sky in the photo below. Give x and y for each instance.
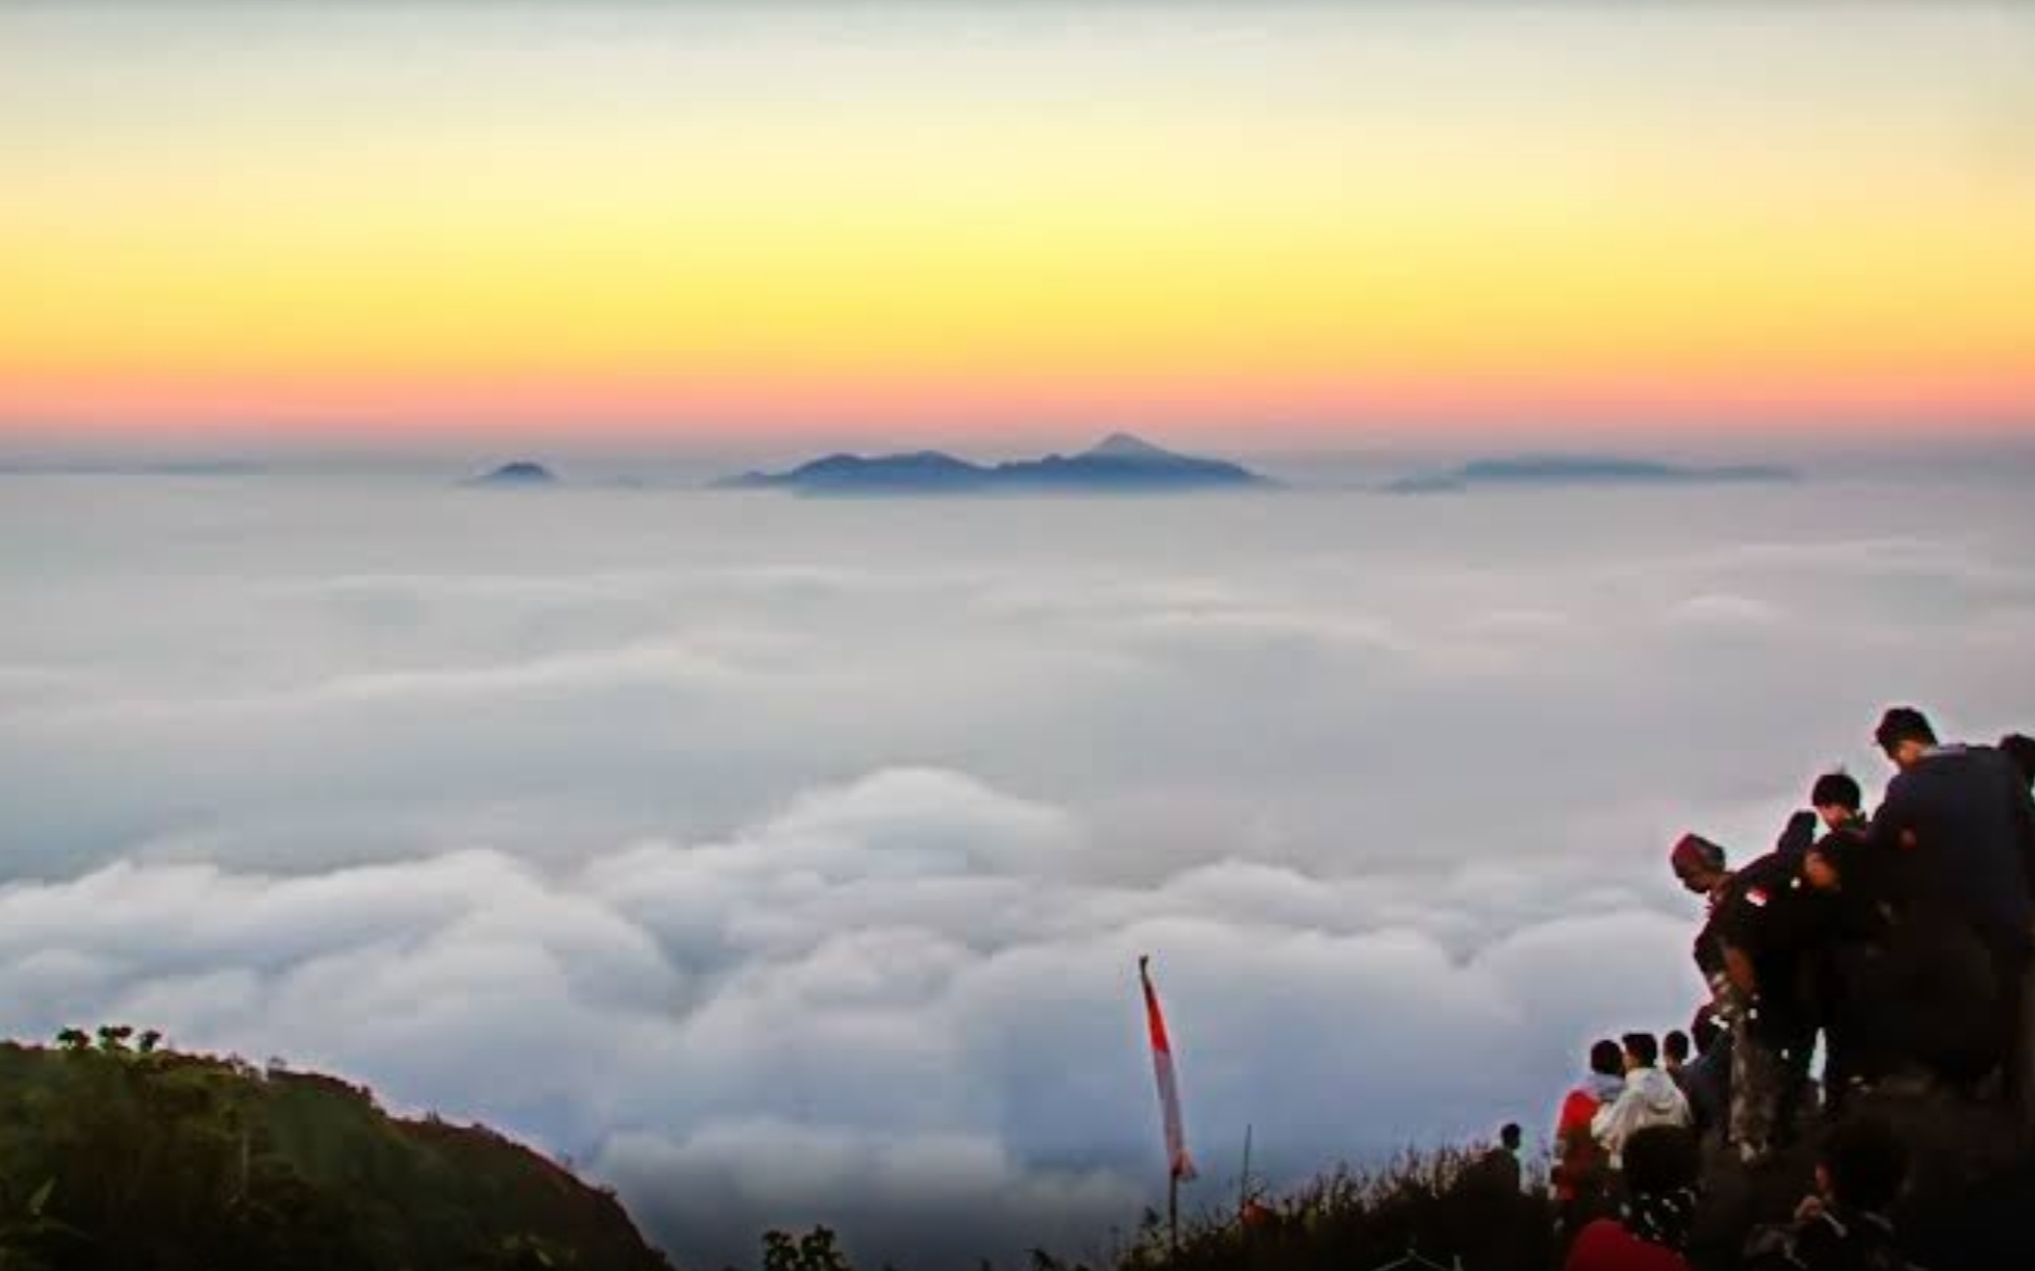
(389, 224)
(784, 860)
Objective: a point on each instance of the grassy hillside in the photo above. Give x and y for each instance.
(123, 1156)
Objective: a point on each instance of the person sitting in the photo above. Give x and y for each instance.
(1846, 1225)
(1649, 1097)
(1652, 1227)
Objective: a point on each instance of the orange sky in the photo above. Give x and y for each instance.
(671, 221)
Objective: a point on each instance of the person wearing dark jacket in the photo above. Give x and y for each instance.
(1846, 1224)
(1857, 885)
(1769, 926)
(1966, 814)
(1700, 866)
(1706, 1079)
(1963, 819)
(2020, 748)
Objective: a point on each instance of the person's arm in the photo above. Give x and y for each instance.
(1892, 826)
(1605, 1116)
(1738, 965)
(1799, 834)
(1608, 1127)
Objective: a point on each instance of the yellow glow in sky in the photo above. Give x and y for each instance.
(677, 218)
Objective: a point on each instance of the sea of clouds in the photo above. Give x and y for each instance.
(785, 861)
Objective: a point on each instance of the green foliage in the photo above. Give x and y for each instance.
(814, 1251)
(1428, 1203)
(119, 1155)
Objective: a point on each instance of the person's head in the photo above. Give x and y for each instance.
(1641, 1051)
(1511, 1136)
(1836, 798)
(1862, 1165)
(1606, 1059)
(2020, 748)
(1904, 733)
(1698, 863)
(1705, 1030)
(1675, 1048)
(1660, 1159)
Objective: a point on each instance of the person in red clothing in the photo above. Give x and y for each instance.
(1653, 1224)
(1579, 1177)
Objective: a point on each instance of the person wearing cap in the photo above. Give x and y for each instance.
(1760, 952)
(1770, 926)
(1700, 866)
(1963, 819)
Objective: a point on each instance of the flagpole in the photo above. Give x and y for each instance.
(1179, 1165)
(1173, 1212)
(1244, 1179)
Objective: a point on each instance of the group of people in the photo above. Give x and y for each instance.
(1903, 943)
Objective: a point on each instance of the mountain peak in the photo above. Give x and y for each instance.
(1122, 445)
(518, 472)
(1121, 463)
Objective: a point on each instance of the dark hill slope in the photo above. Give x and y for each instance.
(111, 1158)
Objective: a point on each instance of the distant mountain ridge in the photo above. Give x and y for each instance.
(1574, 469)
(1119, 464)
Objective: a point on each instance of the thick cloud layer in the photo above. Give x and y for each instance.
(786, 862)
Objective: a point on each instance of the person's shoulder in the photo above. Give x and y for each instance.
(1761, 882)
(1605, 1245)
(1598, 1244)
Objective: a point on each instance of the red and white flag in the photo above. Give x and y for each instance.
(1177, 1159)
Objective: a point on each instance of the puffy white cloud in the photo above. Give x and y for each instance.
(787, 862)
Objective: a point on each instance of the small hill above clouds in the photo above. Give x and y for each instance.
(1593, 470)
(1119, 464)
(519, 473)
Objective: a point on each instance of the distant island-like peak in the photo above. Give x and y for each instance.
(521, 472)
(1574, 469)
(1119, 464)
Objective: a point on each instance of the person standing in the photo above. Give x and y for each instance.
(1701, 867)
(1706, 1079)
(1962, 818)
(1766, 930)
(1675, 1057)
(1649, 1097)
(1579, 1178)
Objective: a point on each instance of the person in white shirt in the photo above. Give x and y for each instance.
(1650, 1097)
